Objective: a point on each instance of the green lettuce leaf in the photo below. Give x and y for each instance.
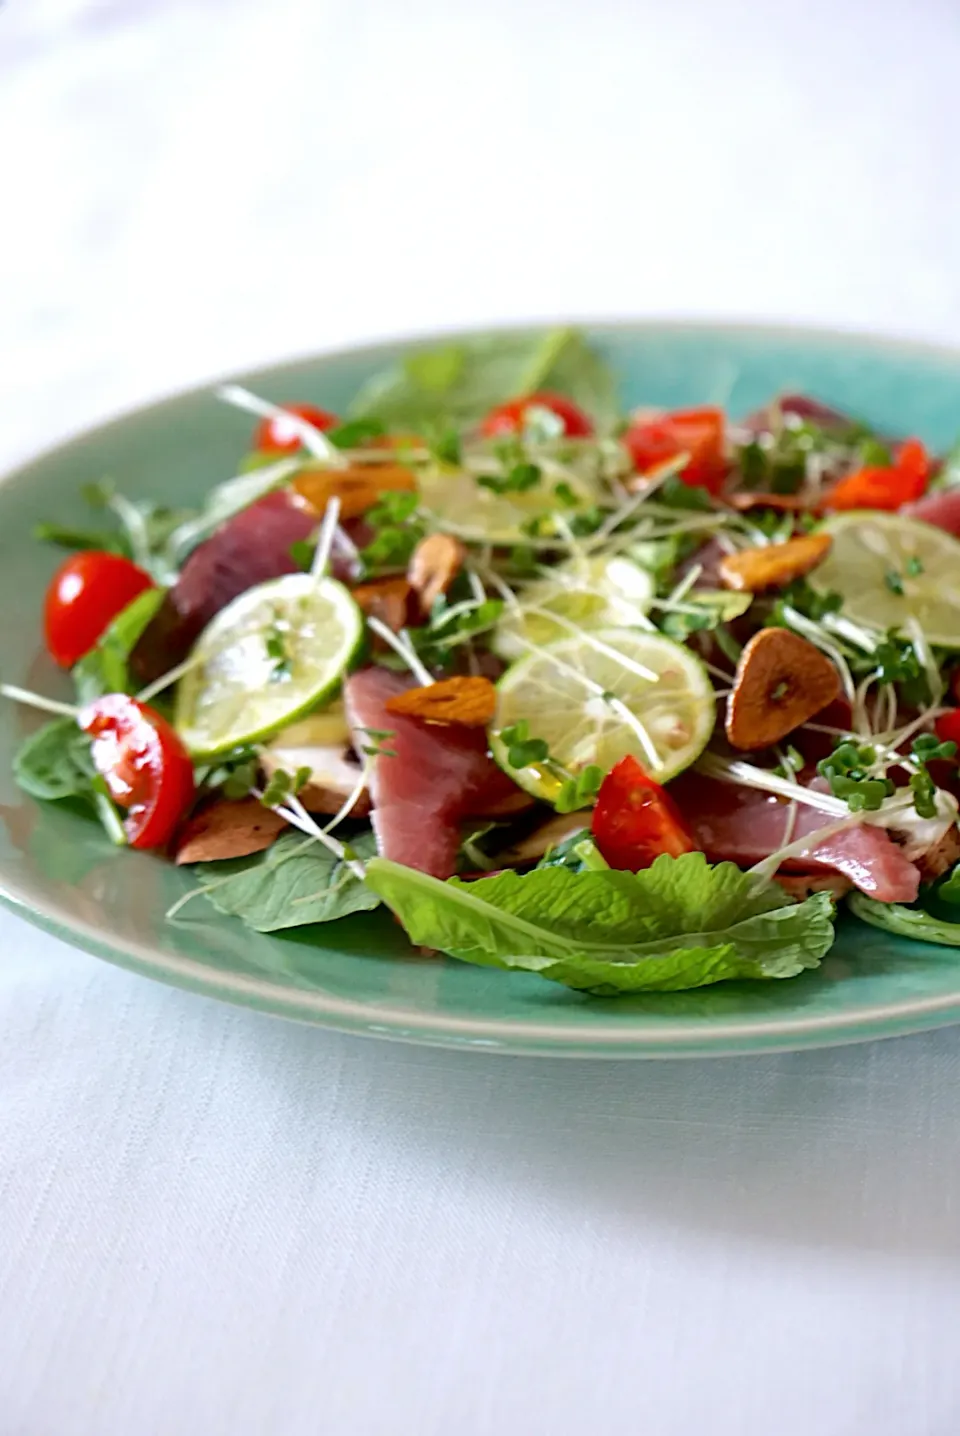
(294, 883)
(55, 762)
(681, 923)
(104, 669)
(913, 922)
(458, 382)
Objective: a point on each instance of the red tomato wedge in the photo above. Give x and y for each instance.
(697, 432)
(510, 418)
(144, 764)
(904, 481)
(279, 436)
(947, 727)
(635, 821)
(85, 595)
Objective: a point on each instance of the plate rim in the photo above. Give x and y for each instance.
(510, 1035)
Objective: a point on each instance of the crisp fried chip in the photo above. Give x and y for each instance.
(358, 488)
(436, 562)
(389, 599)
(774, 565)
(228, 828)
(781, 682)
(471, 702)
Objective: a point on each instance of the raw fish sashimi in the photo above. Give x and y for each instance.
(439, 774)
(745, 825)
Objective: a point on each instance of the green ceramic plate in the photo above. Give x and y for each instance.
(59, 872)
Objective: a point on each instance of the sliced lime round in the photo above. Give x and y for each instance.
(584, 593)
(594, 697)
(889, 570)
(463, 506)
(270, 656)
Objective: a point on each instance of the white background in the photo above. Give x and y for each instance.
(215, 1223)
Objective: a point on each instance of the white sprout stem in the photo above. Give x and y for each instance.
(679, 593)
(311, 438)
(734, 770)
(36, 700)
(293, 812)
(403, 649)
(321, 554)
(351, 800)
(110, 819)
(897, 736)
(813, 632)
(214, 883)
(766, 867)
(853, 632)
(166, 680)
(133, 521)
(344, 545)
(591, 639)
(616, 704)
(476, 586)
(926, 659)
(567, 533)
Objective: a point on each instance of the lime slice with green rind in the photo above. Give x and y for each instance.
(875, 555)
(595, 697)
(267, 659)
(585, 593)
(461, 505)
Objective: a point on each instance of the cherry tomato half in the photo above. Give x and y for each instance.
(144, 764)
(279, 436)
(510, 418)
(86, 593)
(697, 432)
(889, 488)
(635, 821)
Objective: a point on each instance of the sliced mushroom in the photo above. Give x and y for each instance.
(333, 776)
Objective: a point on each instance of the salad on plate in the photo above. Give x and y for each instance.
(632, 700)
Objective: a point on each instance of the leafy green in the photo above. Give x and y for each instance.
(949, 889)
(67, 536)
(144, 532)
(777, 463)
(104, 669)
(397, 529)
(222, 503)
(913, 922)
(675, 494)
(55, 762)
(295, 882)
(703, 609)
(461, 381)
(578, 852)
(517, 480)
(849, 771)
(679, 924)
(356, 434)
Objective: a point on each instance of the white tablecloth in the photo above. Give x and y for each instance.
(216, 1223)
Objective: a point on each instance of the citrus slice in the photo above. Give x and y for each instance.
(586, 593)
(593, 697)
(463, 506)
(270, 656)
(889, 570)
(325, 728)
